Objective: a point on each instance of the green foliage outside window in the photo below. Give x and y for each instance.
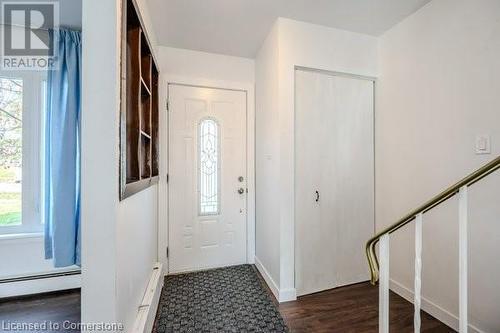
(11, 110)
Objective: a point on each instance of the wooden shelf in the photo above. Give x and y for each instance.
(145, 87)
(139, 121)
(146, 135)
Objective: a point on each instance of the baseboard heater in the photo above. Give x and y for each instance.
(40, 283)
(40, 276)
(147, 309)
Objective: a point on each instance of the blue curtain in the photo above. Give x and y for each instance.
(62, 151)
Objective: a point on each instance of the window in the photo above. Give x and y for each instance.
(11, 138)
(20, 146)
(209, 167)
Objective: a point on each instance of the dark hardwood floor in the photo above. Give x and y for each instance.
(352, 309)
(347, 309)
(50, 308)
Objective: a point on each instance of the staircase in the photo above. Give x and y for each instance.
(380, 268)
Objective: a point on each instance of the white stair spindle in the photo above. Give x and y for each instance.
(462, 243)
(418, 272)
(383, 289)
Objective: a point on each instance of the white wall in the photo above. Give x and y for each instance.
(100, 105)
(136, 251)
(306, 45)
(24, 255)
(438, 88)
(119, 238)
(267, 147)
(202, 65)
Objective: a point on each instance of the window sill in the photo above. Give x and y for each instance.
(21, 236)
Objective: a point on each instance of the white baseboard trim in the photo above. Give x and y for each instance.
(287, 295)
(267, 277)
(282, 295)
(147, 309)
(431, 308)
(45, 285)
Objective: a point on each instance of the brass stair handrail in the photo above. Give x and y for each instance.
(437, 200)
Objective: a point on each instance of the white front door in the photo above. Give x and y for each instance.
(207, 178)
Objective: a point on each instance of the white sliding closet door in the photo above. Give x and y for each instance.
(334, 179)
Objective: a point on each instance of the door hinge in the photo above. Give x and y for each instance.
(167, 105)
(167, 252)
(168, 178)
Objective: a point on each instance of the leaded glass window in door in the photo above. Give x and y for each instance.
(209, 167)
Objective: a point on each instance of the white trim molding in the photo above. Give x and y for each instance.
(282, 295)
(147, 309)
(288, 295)
(431, 308)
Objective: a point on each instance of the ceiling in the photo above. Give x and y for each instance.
(238, 27)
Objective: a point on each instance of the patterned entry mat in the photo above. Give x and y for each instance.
(230, 299)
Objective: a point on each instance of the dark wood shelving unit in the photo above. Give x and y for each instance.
(139, 118)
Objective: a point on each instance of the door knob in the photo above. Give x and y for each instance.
(241, 190)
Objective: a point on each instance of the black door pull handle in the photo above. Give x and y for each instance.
(317, 196)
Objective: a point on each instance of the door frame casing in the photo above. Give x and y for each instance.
(329, 73)
(163, 189)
